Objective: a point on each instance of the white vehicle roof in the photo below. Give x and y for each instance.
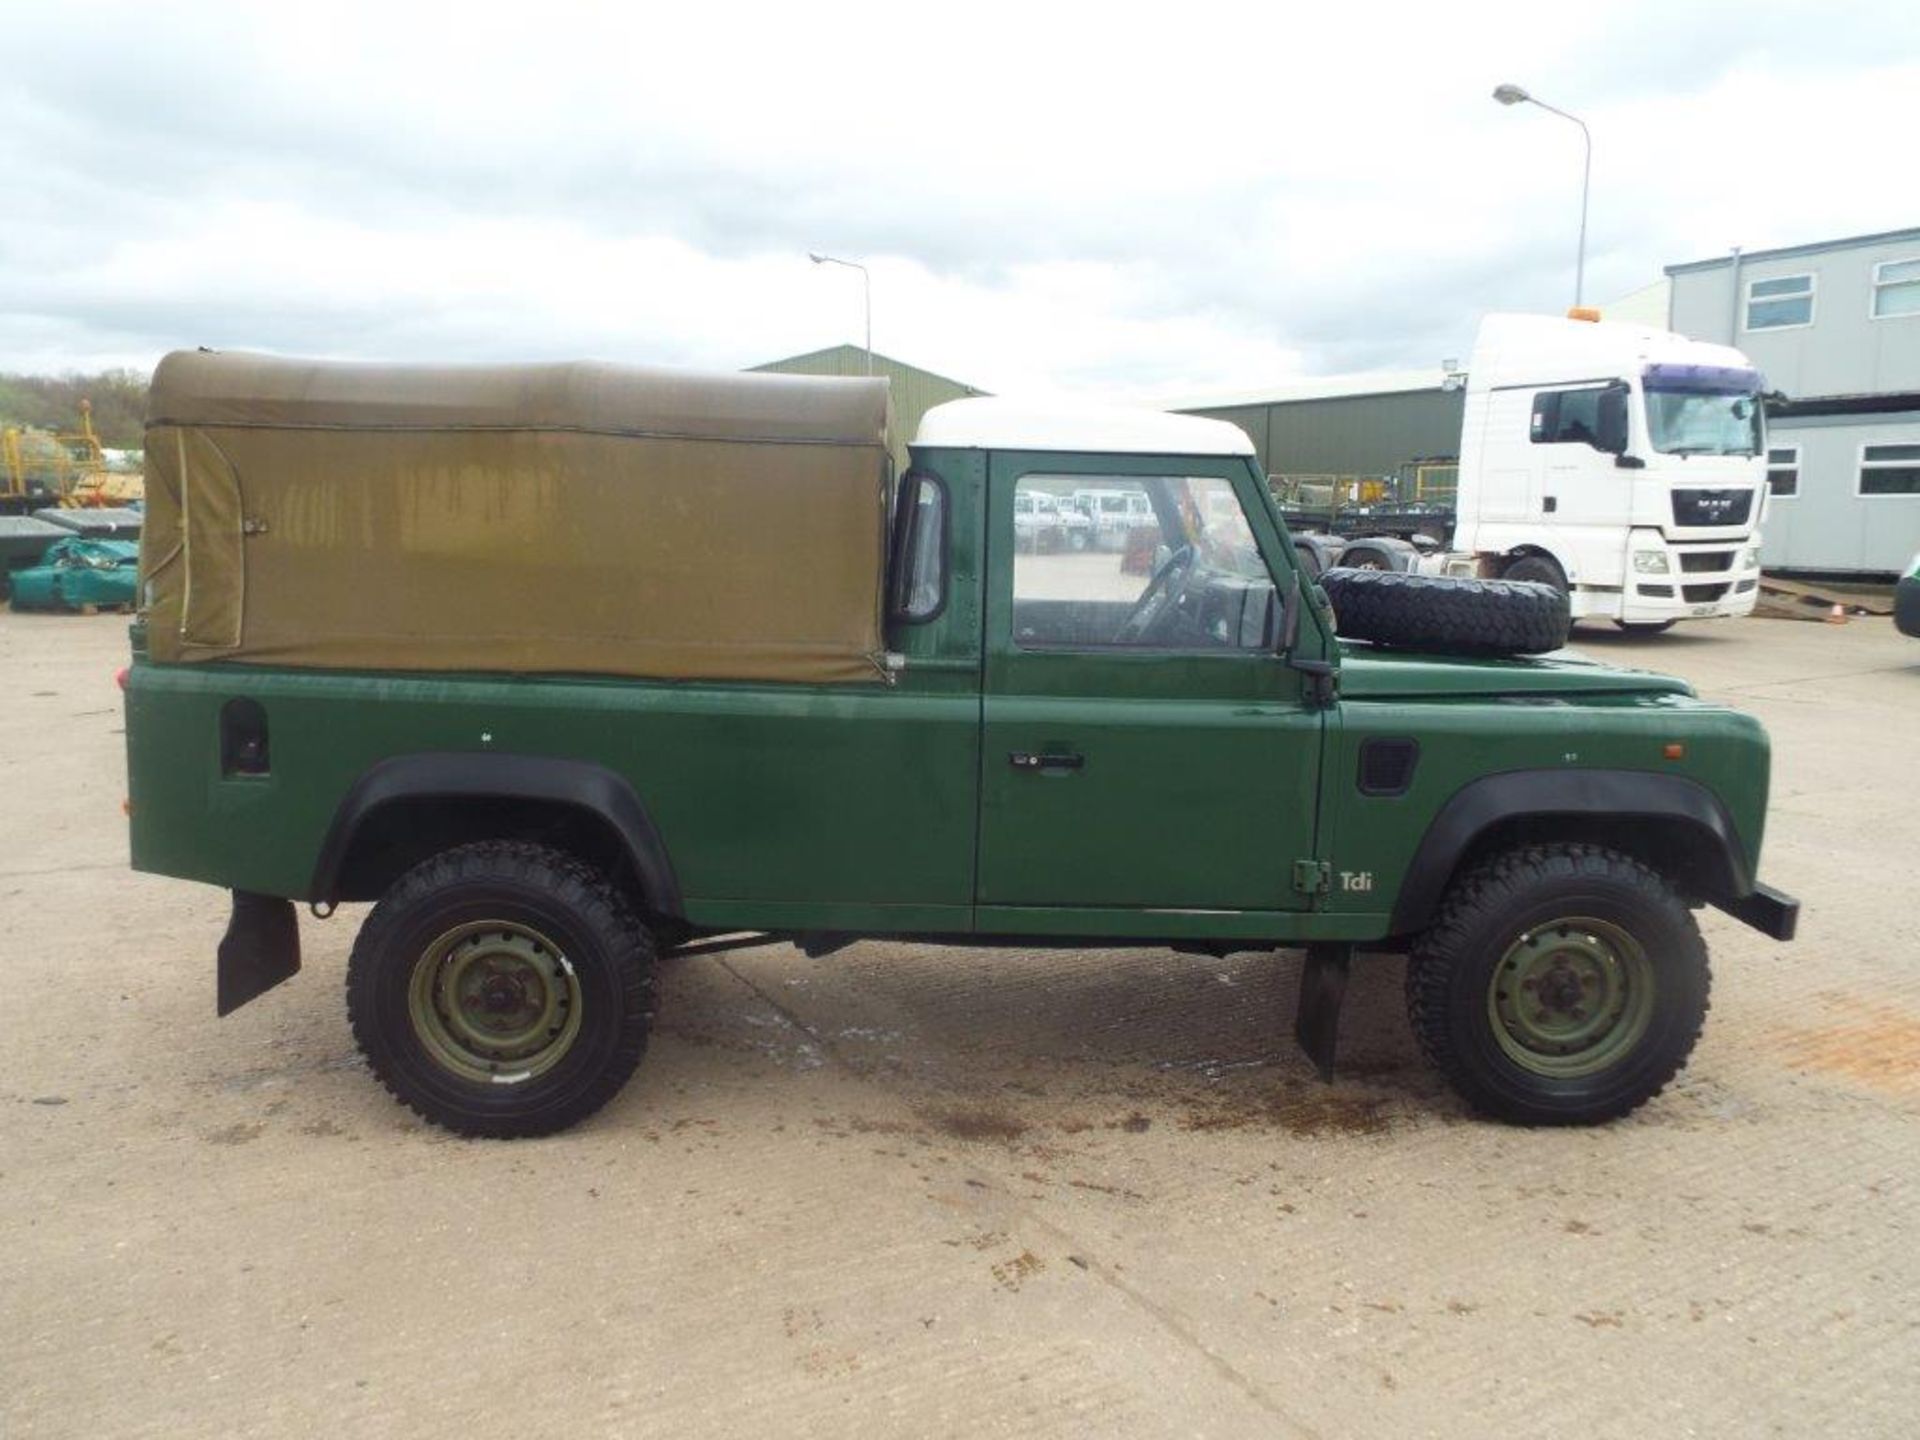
(996, 424)
(1546, 349)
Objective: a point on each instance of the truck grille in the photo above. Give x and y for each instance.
(1711, 507)
(1708, 562)
(1700, 594)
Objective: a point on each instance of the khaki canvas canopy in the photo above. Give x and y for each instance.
(576, 518)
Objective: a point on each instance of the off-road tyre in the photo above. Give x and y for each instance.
(1644, 627)
(1514, 904)
(605, 956)
(1446, 612)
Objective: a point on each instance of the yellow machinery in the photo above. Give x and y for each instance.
(68, 469)
(1436, 483)
(1338, 491)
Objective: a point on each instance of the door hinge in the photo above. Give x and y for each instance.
(1313, 877)
(1321, 682)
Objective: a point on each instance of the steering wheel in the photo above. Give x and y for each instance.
(1167, 582)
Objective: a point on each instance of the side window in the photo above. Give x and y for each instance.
(1783, 471)
(1159, 562)
(1896, 288)
(1567, 417)
(1889, 470)
(920, 548)
(1781, 303)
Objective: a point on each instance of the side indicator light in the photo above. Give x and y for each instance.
(126, 808)
(1674, 751)
(120, 677)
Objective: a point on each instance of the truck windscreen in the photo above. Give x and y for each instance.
(1704, 410)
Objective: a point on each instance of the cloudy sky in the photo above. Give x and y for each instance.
(1127, 199)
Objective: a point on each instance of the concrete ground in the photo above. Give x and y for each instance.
(905, 1191)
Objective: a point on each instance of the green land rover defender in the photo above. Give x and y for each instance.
(566, 666)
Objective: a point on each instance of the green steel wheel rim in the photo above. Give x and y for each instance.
(494, 1002)
(1571, 997)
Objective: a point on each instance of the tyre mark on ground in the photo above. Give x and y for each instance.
(1168, 1320)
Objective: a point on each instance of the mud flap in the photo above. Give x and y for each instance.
(1323, 985)
(260, 949)
(1767, 910)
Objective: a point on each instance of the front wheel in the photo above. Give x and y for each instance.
(1538, 570)
(1560, 985)
(1645, 627)
(502, 989)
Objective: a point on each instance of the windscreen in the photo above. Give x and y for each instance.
(1704, 410)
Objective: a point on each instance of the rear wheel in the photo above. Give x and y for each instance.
(1364, 557)
(502, 989)
(1560, 985)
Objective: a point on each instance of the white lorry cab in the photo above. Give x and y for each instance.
(1625, 465)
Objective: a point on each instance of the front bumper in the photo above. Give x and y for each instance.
(1704, 581)
(1766, 910)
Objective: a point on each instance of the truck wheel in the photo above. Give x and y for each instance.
(1364, 557)
(1560, 985)
(1645, 627)
(1446, 613)
(502, 989)
(1539, 569)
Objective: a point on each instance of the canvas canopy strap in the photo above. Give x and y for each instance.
(556, 518)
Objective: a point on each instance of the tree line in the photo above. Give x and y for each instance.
(52, 402)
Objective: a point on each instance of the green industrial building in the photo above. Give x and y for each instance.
(1359, 425)
(915, 391)
(1363, 425)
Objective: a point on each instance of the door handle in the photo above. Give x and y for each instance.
(1027, 760)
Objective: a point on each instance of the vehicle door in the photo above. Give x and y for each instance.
(1143, 748)
(1580, 484)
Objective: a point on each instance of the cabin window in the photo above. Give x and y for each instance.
(1896, 288)
(1154, 562)
(1783, 471)
(1782, 303)
(1567, 417)
(920, 548)
(1890, 469)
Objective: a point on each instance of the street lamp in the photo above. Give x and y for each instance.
(1515, 95)
(817, 258)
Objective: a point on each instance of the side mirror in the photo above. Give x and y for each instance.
(1612, 419)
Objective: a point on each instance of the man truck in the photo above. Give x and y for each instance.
(1623, 465)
